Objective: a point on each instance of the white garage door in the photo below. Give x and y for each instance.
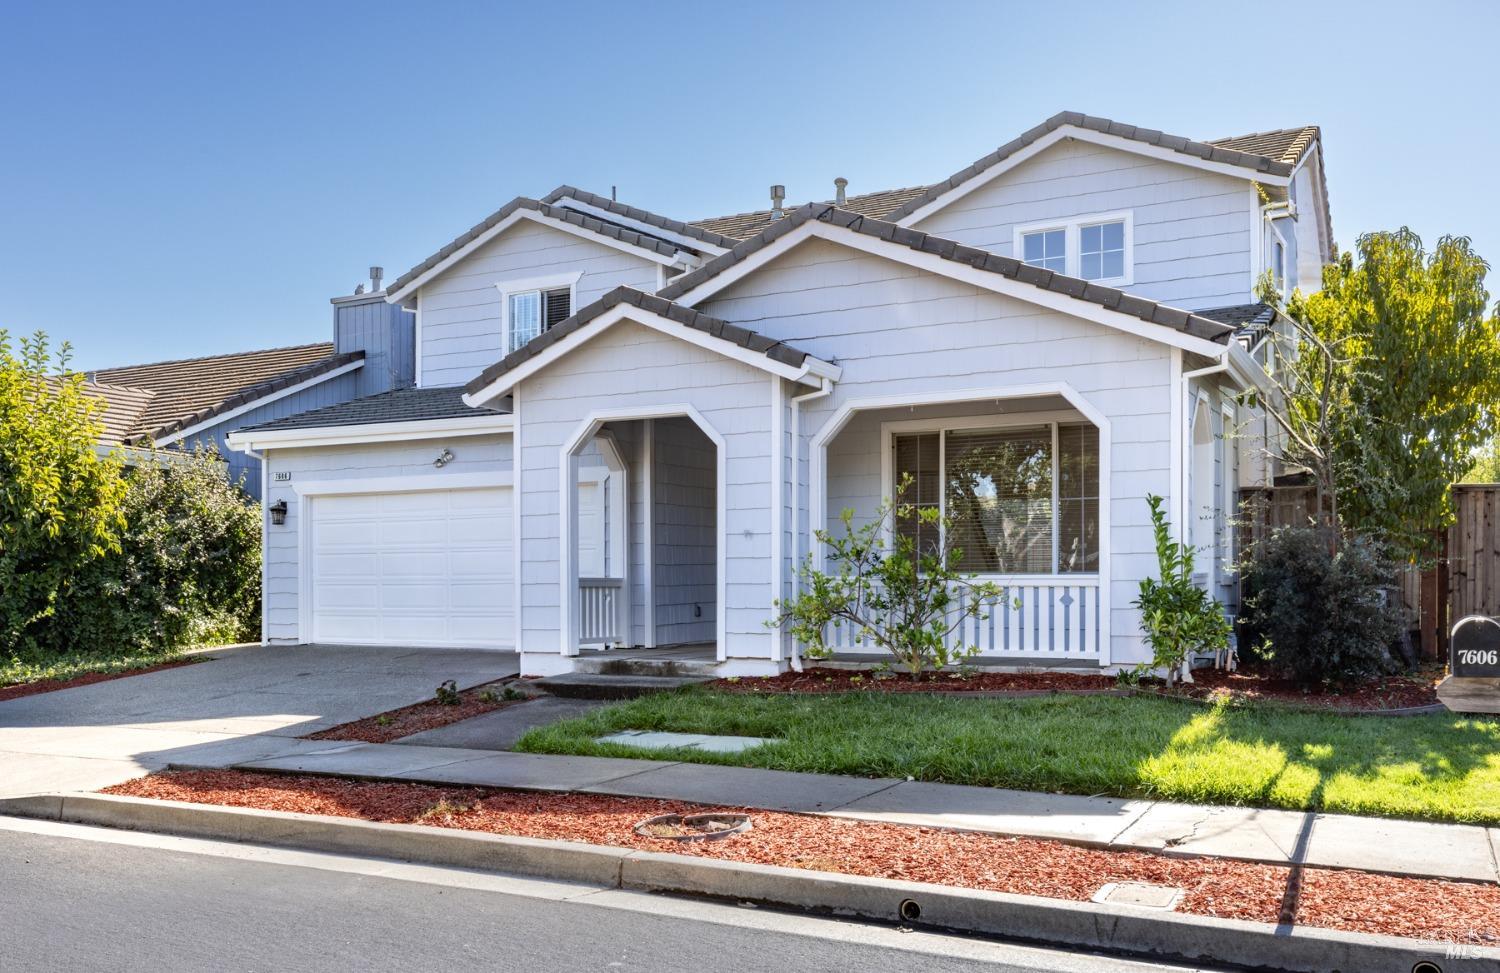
(428, 568)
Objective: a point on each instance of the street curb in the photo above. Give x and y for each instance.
(1033, 919)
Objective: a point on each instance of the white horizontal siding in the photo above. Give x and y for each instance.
(896, 331)
(470, 455)
(461, 309)
(1193, 229)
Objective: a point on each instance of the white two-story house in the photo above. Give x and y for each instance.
(626, 429)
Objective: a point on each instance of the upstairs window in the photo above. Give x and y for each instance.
(1101, 251)
(1047, 249)
(1097, 248)
(534, 306)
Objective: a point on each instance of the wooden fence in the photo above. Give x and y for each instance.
(1464, 581)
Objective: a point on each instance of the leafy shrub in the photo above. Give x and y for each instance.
(1316, 615)
(59, 500)
(903, 599)
(187, 571)
(1177, 616)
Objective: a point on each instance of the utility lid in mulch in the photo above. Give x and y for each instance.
(694, 827)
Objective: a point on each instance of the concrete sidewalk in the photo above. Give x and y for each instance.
(1412, 848)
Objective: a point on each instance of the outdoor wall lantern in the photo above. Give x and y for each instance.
(278, 512)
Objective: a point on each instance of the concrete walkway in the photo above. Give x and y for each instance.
(1278, 837)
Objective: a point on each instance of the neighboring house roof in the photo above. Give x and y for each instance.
(706, 234)
(399, 405)
(775, 350)
(123, 408)
(742, 226)
(1107, 297)
(1239, 316)
(164, 397)
(612, 231)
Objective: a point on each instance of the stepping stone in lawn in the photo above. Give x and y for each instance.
(656, 740)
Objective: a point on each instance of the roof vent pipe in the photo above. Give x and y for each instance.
(778, 197)
(839, 185)
(376, 273)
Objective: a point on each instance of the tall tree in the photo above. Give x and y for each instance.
(1419, 354)
(59, 499)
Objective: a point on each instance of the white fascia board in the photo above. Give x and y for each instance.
(240, 410)
(371, 432)
(395, 297)
(1097, 138)
(1245, 371)
(932, 263)
(681, 239)
(636, 315)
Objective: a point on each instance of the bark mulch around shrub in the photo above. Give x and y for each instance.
(819, 680)
(427, 715)
(87, 679)
(1369, 695)
(1353, 901)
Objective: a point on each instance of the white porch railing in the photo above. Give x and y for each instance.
(599, 611)
(1035, 617)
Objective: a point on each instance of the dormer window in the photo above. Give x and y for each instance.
(534, 306)
(1096, 248)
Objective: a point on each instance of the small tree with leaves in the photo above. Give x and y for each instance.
(59, 497)
(1177, 616)
(910, 601)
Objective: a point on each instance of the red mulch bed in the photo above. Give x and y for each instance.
(829, 680)
(1353, 901)
(428, 715)
(52, 685)
(1385, 693)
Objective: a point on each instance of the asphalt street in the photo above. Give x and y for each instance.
(85, 899)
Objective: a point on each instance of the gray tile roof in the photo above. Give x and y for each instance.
(1283, 144)
(697, 232)
(1239, 316)
(743, 226)
(1108, 297)
(400, 405)
(685, 316)
(1149, 136)
(613, 231)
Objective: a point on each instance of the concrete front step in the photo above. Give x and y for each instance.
(623, 664)
(592, 685)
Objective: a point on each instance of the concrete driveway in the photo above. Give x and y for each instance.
(238, 704)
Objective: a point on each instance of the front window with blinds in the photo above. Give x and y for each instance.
(1020, 500)
(532, 312)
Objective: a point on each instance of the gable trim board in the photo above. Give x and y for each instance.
(251, 403)
(557, 217)
(1099, 131)
(628, 304)
(1108, 306)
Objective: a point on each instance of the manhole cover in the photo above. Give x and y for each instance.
(1140, 894)
(693, 827)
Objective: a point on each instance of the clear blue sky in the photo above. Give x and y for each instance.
(186, 179)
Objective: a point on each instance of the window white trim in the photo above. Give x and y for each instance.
(525, 285)
(1049, 420)
(1072, 227)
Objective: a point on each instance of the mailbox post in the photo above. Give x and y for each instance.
(1473, 681)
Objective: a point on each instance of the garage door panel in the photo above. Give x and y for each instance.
(426, 568)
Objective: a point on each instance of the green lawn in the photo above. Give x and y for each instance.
(14, 671)
(1442, 767)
